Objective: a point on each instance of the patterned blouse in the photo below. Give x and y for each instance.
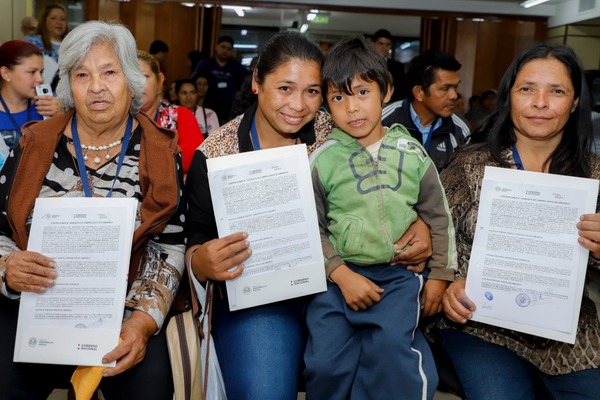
(37, 40)
(462, 180)
(153, 289)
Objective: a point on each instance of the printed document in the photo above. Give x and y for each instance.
(78, 320)
(269, 195)
(527, 270)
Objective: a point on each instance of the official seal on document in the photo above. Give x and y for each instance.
(522, 300)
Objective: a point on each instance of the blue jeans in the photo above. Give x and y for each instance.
(260, 349)
(492, 372)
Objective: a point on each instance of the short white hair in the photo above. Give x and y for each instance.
(76, 46)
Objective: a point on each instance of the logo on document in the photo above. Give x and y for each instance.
(32, 342)
(246, 290)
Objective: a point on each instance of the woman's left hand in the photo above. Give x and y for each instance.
(589, 233)
(46, 105)
(135, 333)
(418, 239)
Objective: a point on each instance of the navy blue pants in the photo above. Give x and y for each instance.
(378, 353)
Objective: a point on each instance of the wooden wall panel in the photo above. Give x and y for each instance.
(466, 50)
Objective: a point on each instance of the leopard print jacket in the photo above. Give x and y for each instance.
(462, 181)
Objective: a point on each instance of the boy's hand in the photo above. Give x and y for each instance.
(432, 296)
(359, 292)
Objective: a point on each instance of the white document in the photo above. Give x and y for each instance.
(269, 195)
(527, 270)
(78, 320)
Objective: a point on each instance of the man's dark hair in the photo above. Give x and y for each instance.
(382, 33)
(350, 58)
(423, 68)
(158, 46)
(225, 38)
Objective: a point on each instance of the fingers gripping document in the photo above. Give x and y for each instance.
(78, 320)
(269, 195)
(527, 270)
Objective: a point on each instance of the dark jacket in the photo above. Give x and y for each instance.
(452, 133)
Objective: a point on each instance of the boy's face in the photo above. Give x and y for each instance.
(359, 114)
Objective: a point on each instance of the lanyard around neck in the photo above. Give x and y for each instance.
(427, 143)
(517, 158)
(254, 135)
(81, 162)
(10, 116)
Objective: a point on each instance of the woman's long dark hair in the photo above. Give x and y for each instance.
(572, 155)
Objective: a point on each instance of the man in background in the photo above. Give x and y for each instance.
(29, 26)
(225, 77)
(382, 40)
(428, 111)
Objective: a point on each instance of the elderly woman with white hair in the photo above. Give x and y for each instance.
(120, 153)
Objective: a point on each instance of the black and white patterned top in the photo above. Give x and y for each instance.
(157, 282)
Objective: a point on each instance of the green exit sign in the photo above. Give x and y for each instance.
(320, 19)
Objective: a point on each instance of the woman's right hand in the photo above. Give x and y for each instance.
(215, 258)
(457, 306)
(28, 271)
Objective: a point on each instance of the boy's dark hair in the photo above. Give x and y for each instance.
(423, 68)
(158, 46)
(352, 57)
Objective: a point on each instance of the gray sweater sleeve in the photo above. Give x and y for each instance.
(332, 258)
(433, 209)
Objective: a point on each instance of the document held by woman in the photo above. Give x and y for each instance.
(527, 270)
(78, 320)
(269, 195)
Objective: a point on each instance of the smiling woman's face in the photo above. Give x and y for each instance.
(289, 97)
(542, 100)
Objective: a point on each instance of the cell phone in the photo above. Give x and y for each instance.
(43, 89)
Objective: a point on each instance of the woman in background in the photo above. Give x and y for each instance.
(21, 66)
(176, 118)
(207, 118)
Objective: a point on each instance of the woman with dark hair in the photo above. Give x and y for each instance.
(260, 349)
(207, 118)
(21, 66)
(542, 123)
(52, 28)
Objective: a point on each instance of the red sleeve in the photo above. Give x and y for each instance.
(190, 136)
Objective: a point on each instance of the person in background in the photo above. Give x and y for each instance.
(173, 117)
(29, 26)
(194, 58)
(428, 112)
(21, 66)
(159, 50)
(542, 123)
(52, 29)
(225, 74)
(371, 305)
(172, 93)
(207, 118)
(382, 40)
(101, 88)
(488, 101)
(187, 97)
(260, 349)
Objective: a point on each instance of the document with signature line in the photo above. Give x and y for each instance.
(268, 194)
(527, 270)
(78, 320)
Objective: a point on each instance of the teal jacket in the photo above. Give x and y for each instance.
(364, 206)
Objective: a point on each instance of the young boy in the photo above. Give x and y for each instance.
(370, 184)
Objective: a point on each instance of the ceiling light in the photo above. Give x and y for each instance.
(188, 4)
(310, 16)
(245, 46)
(303, 28)
(531, 3)
(239, 10)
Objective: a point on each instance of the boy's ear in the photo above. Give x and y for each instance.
(388, 95)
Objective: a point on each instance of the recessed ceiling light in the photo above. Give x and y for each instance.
(531, 3)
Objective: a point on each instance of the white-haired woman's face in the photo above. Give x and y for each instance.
(99, 86)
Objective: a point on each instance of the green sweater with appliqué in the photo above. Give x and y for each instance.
(365, 205)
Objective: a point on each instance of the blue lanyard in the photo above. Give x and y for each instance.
(12, 119)
(428, 141)
(517, 158)
(254, 135)
(81, 162)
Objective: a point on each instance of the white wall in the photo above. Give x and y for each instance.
(568, 13)
(10, 18)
